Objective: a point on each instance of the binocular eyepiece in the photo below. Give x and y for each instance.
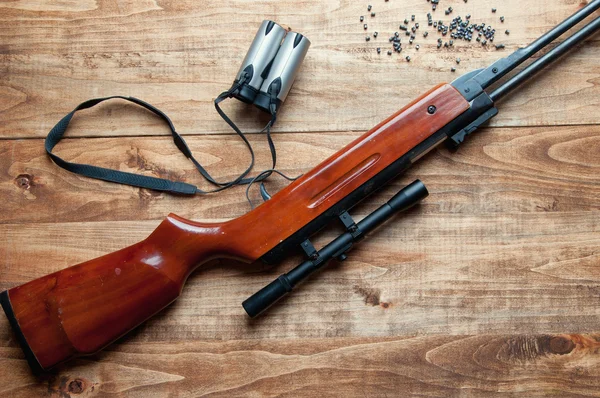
(270, 67)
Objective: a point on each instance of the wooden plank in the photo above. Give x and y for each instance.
(561, 365)
(496, 171)
(421, 274)
(181, 55)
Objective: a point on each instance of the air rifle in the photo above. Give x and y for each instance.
(81, 309)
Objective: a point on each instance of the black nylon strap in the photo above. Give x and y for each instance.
(122, 177)
(159, 184)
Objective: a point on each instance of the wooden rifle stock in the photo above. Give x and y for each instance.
(81, 309)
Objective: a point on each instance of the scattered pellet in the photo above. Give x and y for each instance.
(408, 58)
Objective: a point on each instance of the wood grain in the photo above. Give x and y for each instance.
(489, 288)
(423, 273)
(180, 55)
(498, 170)
(562, 365)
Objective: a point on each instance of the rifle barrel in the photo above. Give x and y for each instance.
(546, 59)
(503, 66)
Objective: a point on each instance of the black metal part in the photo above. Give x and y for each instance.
(267, 296)
(350, 225)
(546, 59)
(309, 249)
(458, 138)
(488, 76)
(481, 110)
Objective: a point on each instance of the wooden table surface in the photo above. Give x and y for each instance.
(490, 288)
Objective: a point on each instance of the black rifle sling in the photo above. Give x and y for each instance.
(159, 184)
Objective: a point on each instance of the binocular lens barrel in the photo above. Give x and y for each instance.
(256, 64)
(283, 71)
(271, 65)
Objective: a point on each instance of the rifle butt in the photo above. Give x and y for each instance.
(81, 309)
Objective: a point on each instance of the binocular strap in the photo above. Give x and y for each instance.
(155, 183)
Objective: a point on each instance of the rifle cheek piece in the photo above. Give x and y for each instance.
(280, 287)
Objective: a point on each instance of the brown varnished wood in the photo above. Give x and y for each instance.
(83, 308)
(333, 179)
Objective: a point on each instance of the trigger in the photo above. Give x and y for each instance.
(263, 192)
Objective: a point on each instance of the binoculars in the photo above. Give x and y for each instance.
(270, 67)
